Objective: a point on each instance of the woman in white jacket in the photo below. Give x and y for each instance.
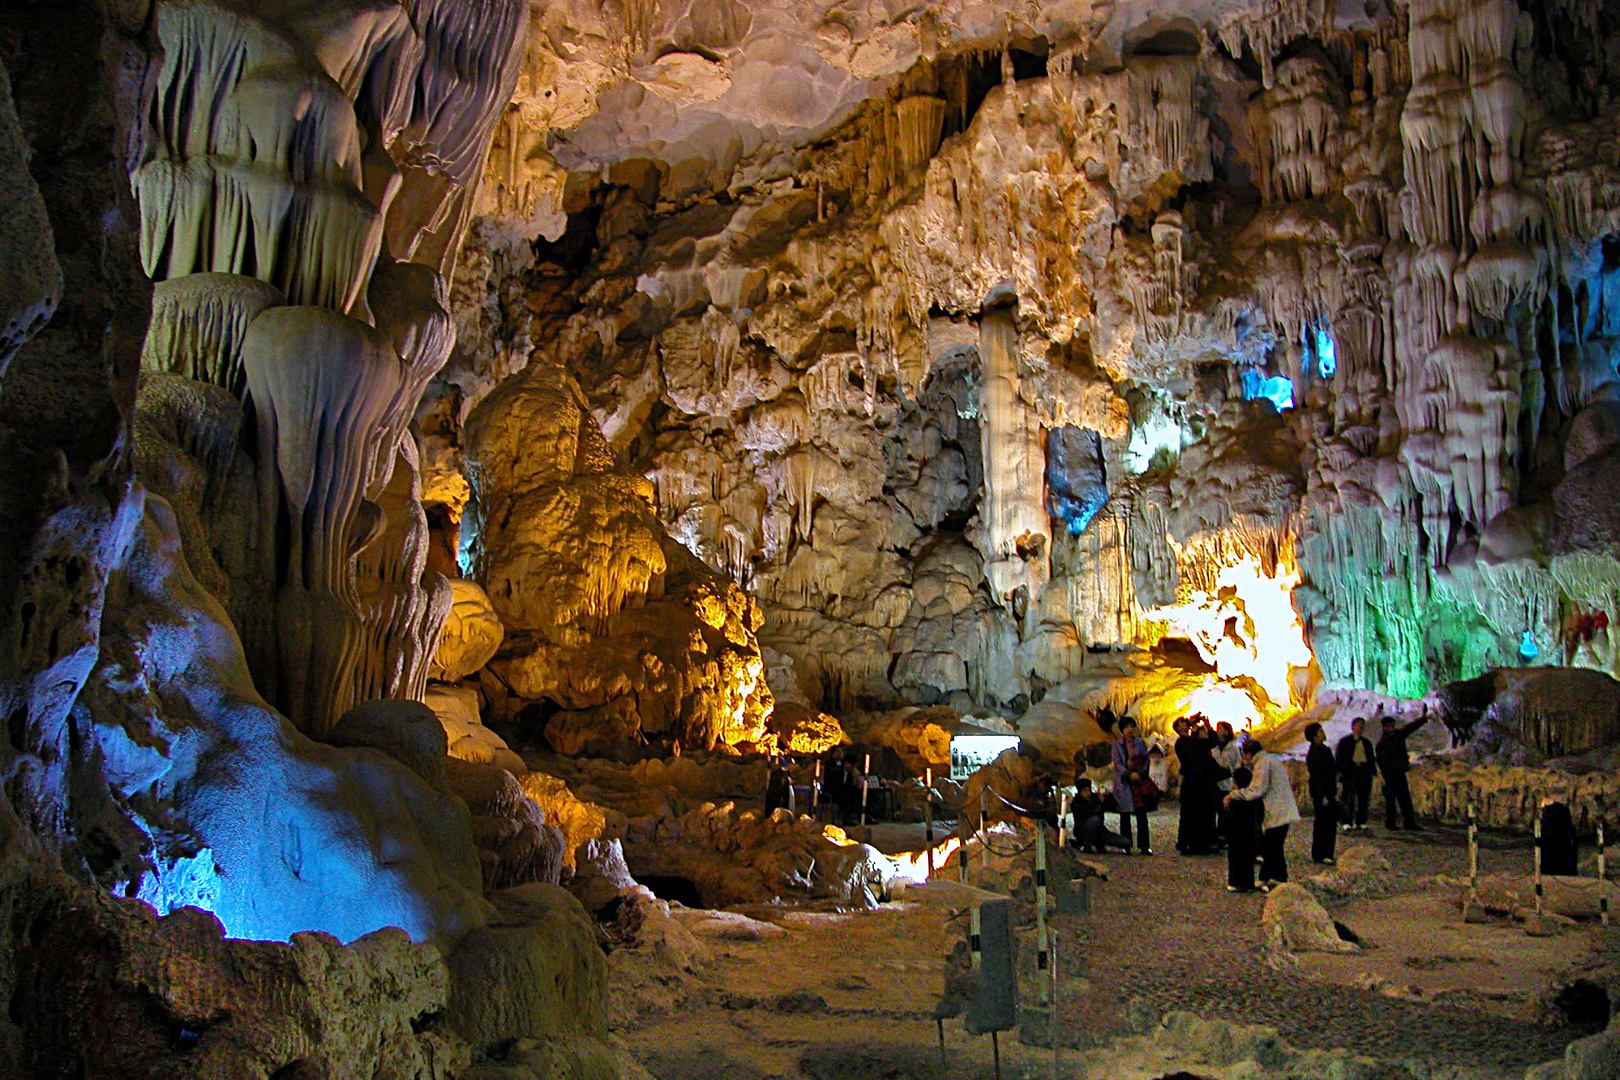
(1272, 786)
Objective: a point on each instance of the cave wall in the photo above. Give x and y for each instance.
(848, 353)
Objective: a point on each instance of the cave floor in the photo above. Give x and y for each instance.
(852, 994)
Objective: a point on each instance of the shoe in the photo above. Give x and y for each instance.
(1267, 886)
(1348, 829)
(1235, 889)
(1323, 862)
(1145, 851)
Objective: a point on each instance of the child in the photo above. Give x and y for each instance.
(1090, 834)
(1158, 771)
(1244, 818)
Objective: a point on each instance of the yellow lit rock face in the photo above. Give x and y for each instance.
(472, 633)
(606, 616)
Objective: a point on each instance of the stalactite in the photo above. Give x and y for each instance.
(198, 323)
(321, 384)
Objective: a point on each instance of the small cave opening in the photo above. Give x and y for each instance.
(1169, 41)
(675, 889)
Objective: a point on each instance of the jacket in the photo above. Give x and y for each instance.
(1345, 757)
(1230, 758)
(1122, 756)
(1324, 773)
(1393, 757)
(1274, 790)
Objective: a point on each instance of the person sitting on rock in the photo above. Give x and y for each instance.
(1090, 832)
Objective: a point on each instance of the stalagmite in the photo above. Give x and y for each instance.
(1016, 531)
(321, 385)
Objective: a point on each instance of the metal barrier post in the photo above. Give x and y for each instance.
(1473, 861)
(1536, 870)
(1042, 962)
(815, 788)
(1063, 820)
(928, 815)
(1603, 878)
(866, 772)
(984, 834)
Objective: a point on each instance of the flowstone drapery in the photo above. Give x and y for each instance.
(293, 159)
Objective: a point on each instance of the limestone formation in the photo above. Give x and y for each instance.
(662, 386)
(607, 618)
(1293, 920)
(472, 633)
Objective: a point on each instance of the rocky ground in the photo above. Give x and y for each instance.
(852, 994)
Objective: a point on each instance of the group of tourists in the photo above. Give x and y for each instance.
(1237, 797)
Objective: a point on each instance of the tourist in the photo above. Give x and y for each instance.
(1271, 788)
(1319, 764)
(1196, 831)
(1228, 758)
(778, 787)
(1357, 765)
(1130, 761)
(1090, 831)
(1394, 762)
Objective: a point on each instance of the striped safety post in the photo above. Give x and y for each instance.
(1473, 860)
(928, 816)
(1052, 1024)
(815, 788)
(1063, 820)
(1536, 866)
(1042, 960)
(866, 773)
(984, 834)
(974, 944)
(1603, 878)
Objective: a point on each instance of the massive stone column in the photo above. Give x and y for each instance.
(295, 158)
(1015, 531)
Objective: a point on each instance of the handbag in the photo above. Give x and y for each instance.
(1145, 793)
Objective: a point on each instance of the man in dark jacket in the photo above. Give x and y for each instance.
(1324, 795)
(1357, 764)
(1194, 741)
(1394, 762)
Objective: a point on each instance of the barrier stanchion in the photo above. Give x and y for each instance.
(1603, 878)
(973, 937)
(1042, 960)
(1473, 862)
(984, 835)
(866, 774)
(815, 788)
(1052, 1024)
(1063, 820)
(1536, 866)
(928, 816)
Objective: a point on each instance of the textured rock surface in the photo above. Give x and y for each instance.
(534, 973)
(472, 633)
(1293, 920)
(606, 616)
